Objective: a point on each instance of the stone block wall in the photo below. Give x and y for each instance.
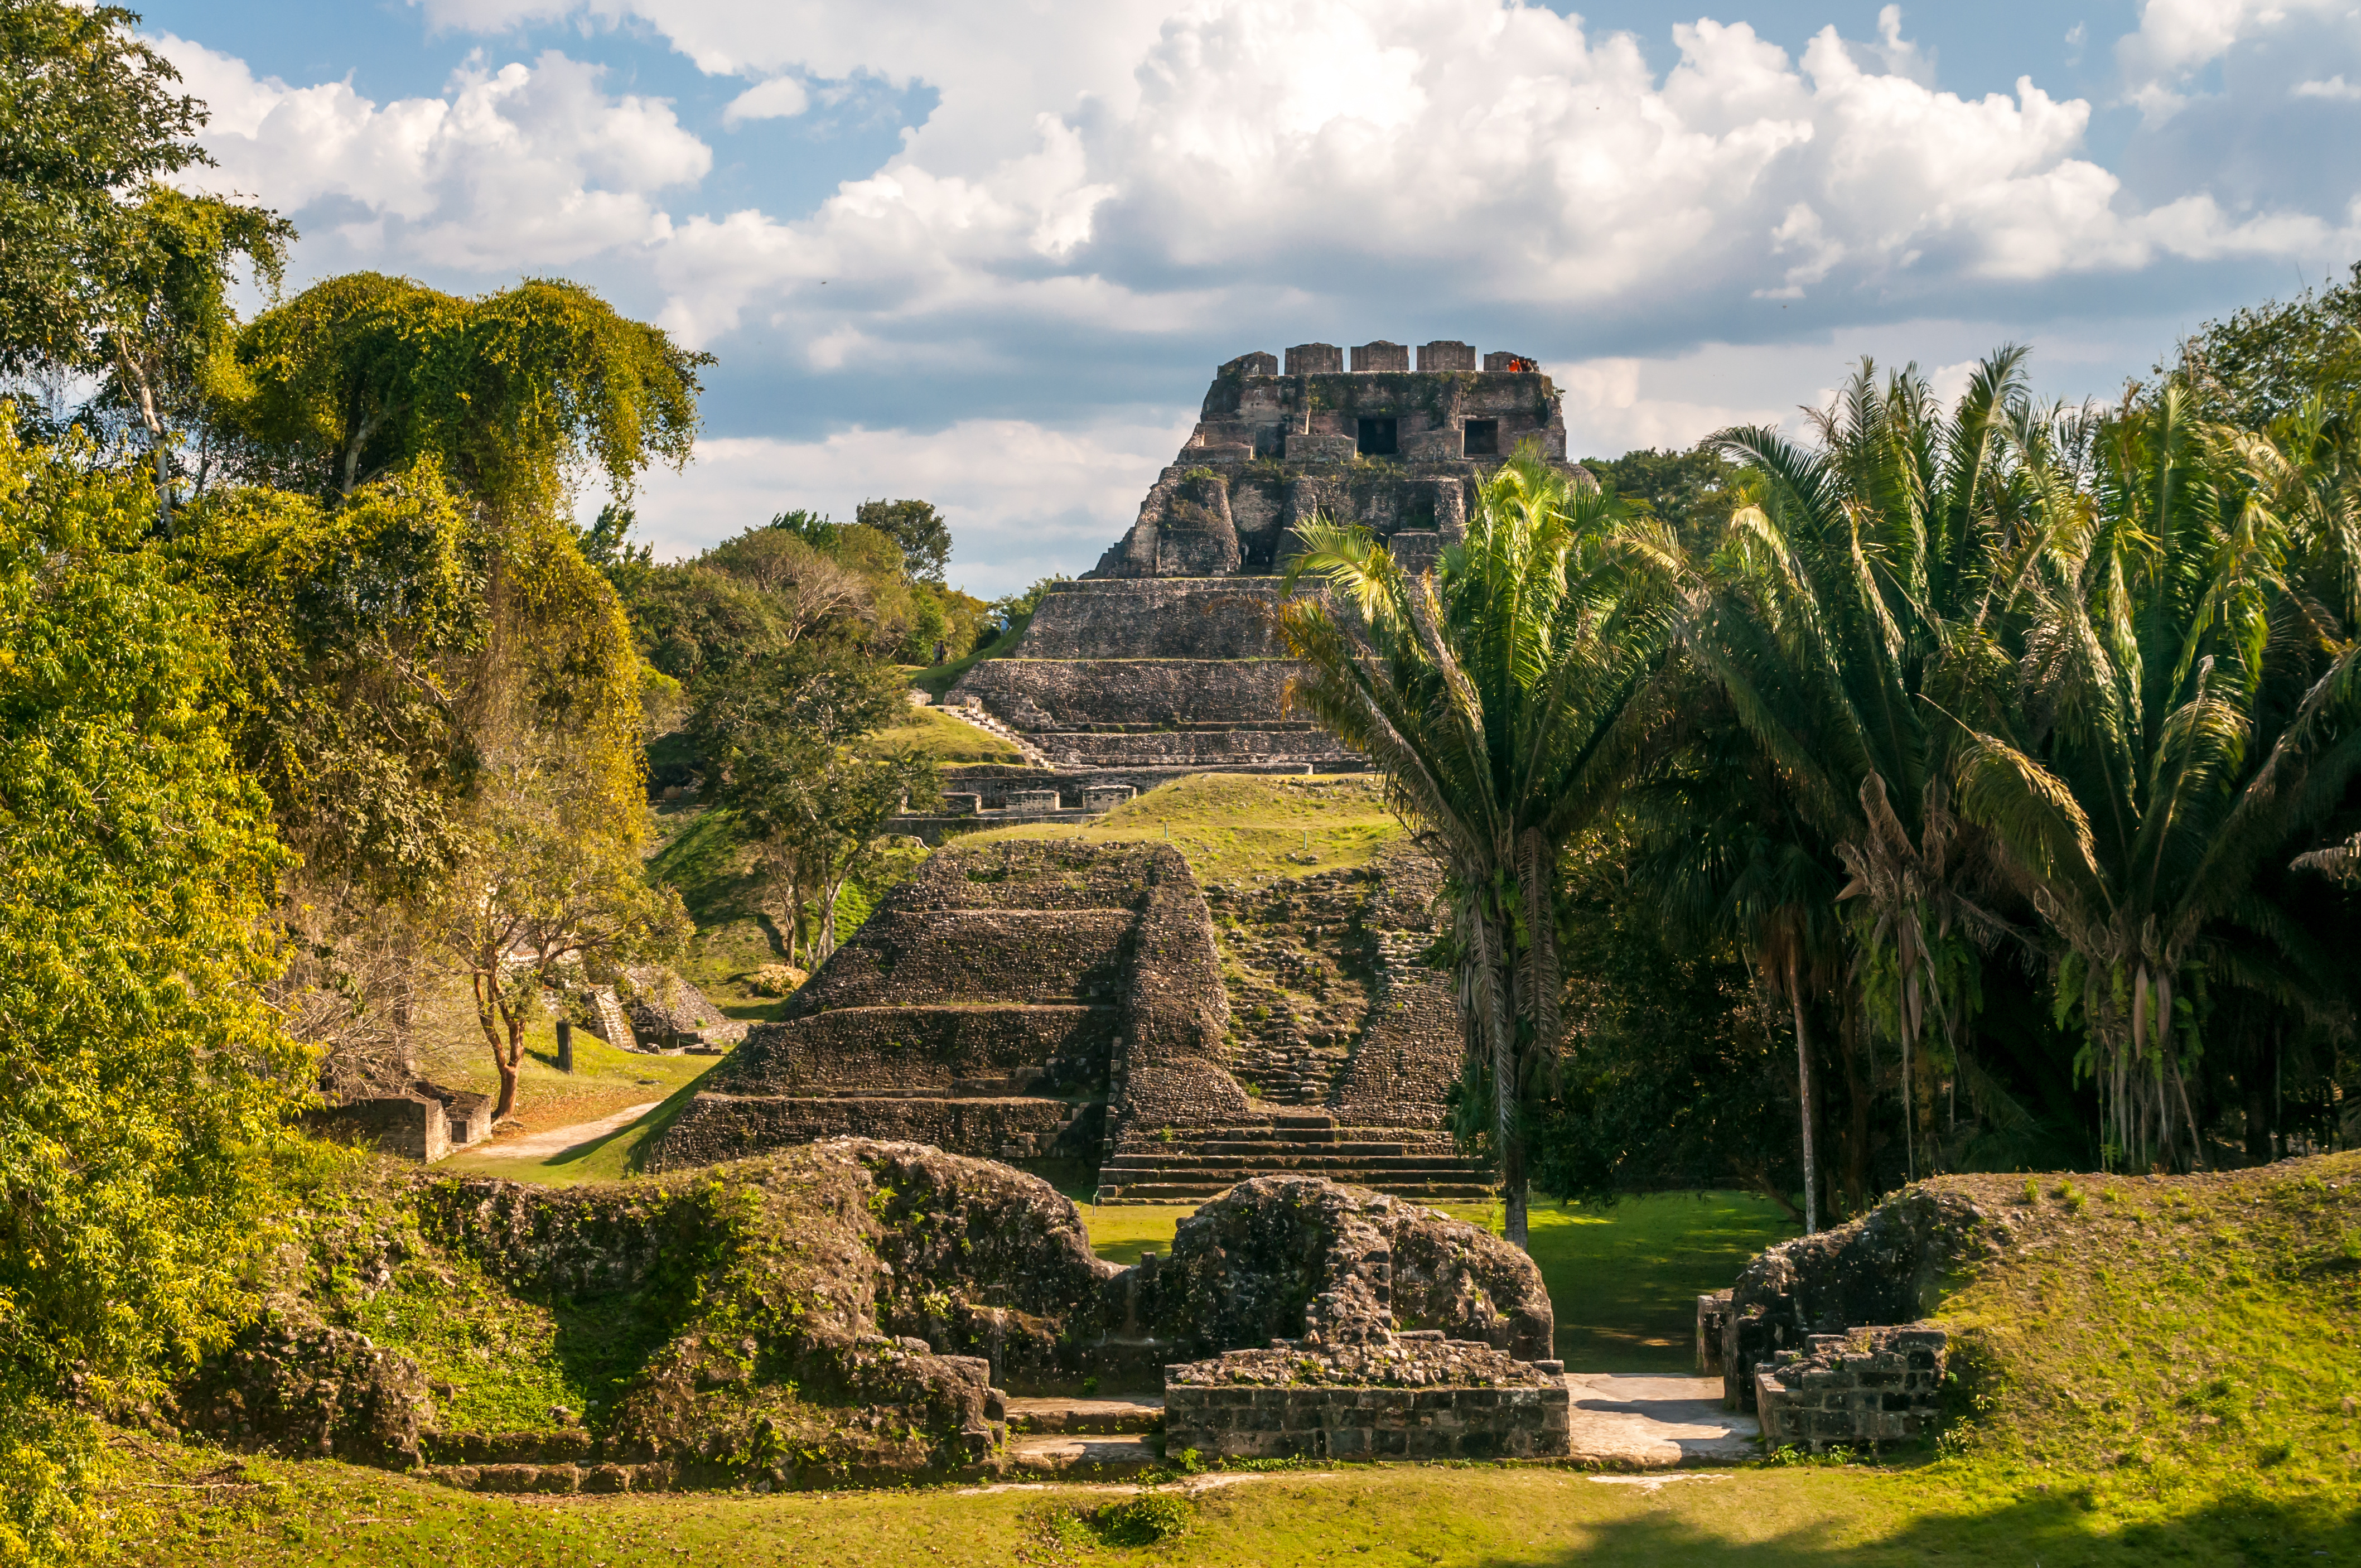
(714, 1127)
(1152, 618)
(906, 957)
(410, 1126)
(1868, 1387)
(1135, 693)
(1351, 1389)
(1313, 1421)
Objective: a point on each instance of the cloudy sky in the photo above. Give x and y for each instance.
(990, 254)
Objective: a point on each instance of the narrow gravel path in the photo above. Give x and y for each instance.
(558, 1140)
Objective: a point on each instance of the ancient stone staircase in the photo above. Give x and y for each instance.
(1203, 1162)
(1288, 1072)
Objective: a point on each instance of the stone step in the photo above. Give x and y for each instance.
(1222, 1180)
(1033, 1415)
(1185, 1191)
(1285, 1162)
(1397, 1144)
(1081, 1457)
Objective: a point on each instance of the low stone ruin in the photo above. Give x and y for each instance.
(1869, 1386)
(1358, 1381)
(422, 1120)
(856, 1310)
(1829, 1329)
(668, 1013)
(1407, 1395)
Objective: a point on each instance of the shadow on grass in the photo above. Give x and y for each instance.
(2048, 1531)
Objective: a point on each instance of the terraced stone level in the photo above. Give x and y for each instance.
(1203, 1163)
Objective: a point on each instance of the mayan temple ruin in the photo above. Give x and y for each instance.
(1093, 1008)
(1163, 661)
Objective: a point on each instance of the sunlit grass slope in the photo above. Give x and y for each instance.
(1240, 827)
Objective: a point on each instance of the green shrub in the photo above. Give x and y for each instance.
(1144, 1521)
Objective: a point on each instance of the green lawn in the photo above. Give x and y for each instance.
(1623, 1280)
(189, 1508)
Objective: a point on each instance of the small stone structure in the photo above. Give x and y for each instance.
(1872, 1385)
(1354, 1385)
(423, 1121)
(1830, 1328)
(669, 1013)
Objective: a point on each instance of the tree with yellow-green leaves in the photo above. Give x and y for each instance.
(145, 1083)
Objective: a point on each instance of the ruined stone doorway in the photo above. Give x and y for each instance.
(1378, 438)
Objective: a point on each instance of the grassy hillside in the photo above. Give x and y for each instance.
(931, 733)
(2163, 1332)
(1240, 826)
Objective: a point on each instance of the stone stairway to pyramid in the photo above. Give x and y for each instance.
(1180, 1164)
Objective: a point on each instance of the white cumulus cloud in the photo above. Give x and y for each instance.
(525, 165)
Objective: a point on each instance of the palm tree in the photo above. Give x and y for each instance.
(1501, 697)
(1870, 577)
(2183, 722)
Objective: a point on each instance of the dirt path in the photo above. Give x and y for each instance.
(558, 1140)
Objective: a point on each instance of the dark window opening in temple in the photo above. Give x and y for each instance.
(1483, 438)
(1269, 442)
(1378, 438)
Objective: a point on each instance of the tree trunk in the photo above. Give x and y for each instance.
(1501, 1024)
(508, 1066)
(823, 939)
(1804, 1101)
(485, 992)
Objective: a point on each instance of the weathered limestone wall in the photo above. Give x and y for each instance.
(1204, 618)
(980, 1049)
(410, 1126)
(1872, 1385)
(1175, 1013)
(1009, 1128)
(1083, 694)
(905, 956)
(1349, 1422)
(1884, 1268)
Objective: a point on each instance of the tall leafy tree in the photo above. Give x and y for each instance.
(366, 374)
(1501, 697)
(144, 1083)
(778, 738)
(106, 269)
(922, 531)
(551, 880)
(1863, 598)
